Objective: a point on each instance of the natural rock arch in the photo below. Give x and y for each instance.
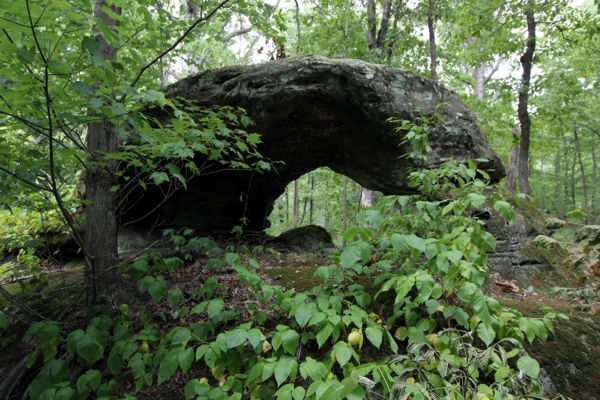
(311, 112)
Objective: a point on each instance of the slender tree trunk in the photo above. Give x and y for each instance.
(191, 13)
(304, 209)
(542, 183)
(573, 203)
(296, 205)
(557, 208)
(526, 62)
(345, 206)
(101, 225)
(566, 181)
(312, 191)
(297, 26)
(432, 46)
(287, 205)
(390, 49)
(511, 179)
(583, 180)
(594, 190)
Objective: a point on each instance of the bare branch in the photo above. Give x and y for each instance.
(494, 69)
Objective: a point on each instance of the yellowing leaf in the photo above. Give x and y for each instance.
(400, 333)
(373, 316)
(203, 381)
(222, 381)
(216, 372)
(431, 337)
(266, 346)
(410, 381)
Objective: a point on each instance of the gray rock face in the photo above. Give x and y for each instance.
(312, 112)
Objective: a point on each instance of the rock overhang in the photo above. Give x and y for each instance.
(310, 112)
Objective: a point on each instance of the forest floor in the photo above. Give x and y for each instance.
(571, 359)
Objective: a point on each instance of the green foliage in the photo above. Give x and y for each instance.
(431, 256)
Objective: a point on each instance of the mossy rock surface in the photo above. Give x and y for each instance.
(591, 233)
(571, 360)
(306, 238)
(554, 223)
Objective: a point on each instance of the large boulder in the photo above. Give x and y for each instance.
(312, 112)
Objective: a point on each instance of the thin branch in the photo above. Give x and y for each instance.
(176, 43)
(239, 32)
(494, 69)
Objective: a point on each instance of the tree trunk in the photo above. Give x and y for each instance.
(432, 47)
(594, 190)
(573, 202)
(511, 178)
(376, 39)
(566, 179)
(390, 47)
(101, 225)
(367, 197)
(296, 205)
(583, 180)
(345, 206)
(526, 62)
(191, 13)
(287, 205)
(312, 190)
(557, 205)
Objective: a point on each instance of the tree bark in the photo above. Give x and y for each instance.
(511, 178)
(594, 190)
(376, 39)
(390, 46)
(367, 197)
(345, 206)
(432, 46)
(296, 205)
(312, 190)
(557, 178)
(578, 150)
(101, 225)
(526, 62)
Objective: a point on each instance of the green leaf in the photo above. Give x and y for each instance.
(486, 334)
(415, 242)
(181, 336)
(89, 348)
(313, 369)
(530, 366)
(236, 338)
(215, 307)
(167, 368)
(343, 354)
(455, 256)
(304, 313)
(185, 359)
(283, 369)
(324, 333)
(374, 335)
(290, 339)
(157, 289)
(505, 209)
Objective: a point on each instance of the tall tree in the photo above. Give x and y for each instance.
(523, 112)
(101, 224)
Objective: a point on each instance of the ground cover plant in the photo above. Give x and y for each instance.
(438, 334)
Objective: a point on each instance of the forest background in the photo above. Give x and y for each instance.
(74, 73)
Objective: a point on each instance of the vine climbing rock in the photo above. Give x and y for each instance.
(312, 112)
